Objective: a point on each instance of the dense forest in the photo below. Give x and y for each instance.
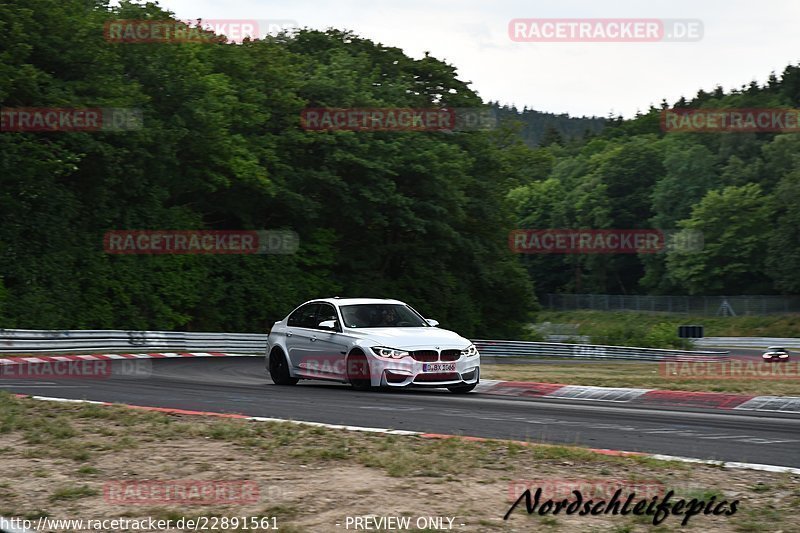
(420, 216)
(740, 191)
(542, 129)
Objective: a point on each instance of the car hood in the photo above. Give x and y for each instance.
(410, 338)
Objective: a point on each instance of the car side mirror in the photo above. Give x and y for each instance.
(328, 324)
(432, 322)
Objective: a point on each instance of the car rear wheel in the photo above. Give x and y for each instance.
(462, 389)
(279, 369)
(358, 371)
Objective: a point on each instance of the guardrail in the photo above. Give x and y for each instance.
(748, 342)
(32, 341)
(695, 305)
(19, 341)
(585, 339)
(492, 348)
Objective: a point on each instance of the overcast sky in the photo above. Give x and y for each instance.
(743, 40)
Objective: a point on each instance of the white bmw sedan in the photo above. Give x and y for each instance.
(369, 343)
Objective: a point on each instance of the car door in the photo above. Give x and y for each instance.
(299, 332)
(327, 348)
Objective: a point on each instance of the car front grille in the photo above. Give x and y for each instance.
(426, 356)
(432, 356)
(429, 378)
(451, 355)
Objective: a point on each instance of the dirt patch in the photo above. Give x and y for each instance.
(59, 461)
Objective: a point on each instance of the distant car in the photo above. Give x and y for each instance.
(369, 343)
(775, 353)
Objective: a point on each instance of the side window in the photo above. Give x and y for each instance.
(303, 317)
(325, 312)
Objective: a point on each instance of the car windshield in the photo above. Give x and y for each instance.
(381, 316)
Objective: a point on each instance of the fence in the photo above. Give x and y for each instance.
(492, 348)
(695, 305)
(27, 341)
(760, 343)
(561, 332)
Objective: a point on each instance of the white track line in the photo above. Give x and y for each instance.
(728, 464)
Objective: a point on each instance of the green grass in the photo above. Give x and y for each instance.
(72, 493)
(282, 512)
(35, 514)
(620, 327)
(87, 470)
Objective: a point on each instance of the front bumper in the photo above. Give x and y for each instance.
(408, 372)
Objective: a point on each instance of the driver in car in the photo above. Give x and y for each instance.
(389, 317)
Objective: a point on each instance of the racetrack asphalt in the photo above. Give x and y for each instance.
(241, 385)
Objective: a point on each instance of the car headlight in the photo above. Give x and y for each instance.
(471, 351)
(392, 353)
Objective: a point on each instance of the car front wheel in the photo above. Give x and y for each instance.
(358, 371)
(279, 369)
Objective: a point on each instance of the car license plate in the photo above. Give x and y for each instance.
(439, 367)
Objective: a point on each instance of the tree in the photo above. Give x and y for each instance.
(691, 169)
(414, 215)
(732, 222)
(783, 260)
(552, 136)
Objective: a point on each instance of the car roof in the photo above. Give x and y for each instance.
(358, 301)
(776, 348)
